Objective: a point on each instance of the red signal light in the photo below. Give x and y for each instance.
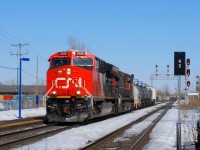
(188, 72)
(188, 83)
(188, 61)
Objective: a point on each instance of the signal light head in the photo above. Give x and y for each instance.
(188, 72)
(188, 61)
(188, 83)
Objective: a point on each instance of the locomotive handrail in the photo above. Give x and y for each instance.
(44, 97)
(89, 95)
(87, 91)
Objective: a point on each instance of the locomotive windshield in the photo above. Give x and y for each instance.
(56, 62)
(83, 61)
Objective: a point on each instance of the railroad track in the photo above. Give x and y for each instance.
(135, 142)
(28, 136)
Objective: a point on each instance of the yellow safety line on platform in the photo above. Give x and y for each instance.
(20, 123)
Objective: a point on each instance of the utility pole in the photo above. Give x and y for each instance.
(20, 48)
(17, 54)
(20, 45)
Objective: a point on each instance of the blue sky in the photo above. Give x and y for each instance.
(134, 35)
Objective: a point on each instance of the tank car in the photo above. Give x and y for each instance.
(153, 95)
(137, 97)
(81, 86)
(142, 95)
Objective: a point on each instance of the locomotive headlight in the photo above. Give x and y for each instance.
(54, 92)
(69, 71)
(78, 92)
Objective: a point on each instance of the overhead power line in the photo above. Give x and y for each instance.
(9, 37)
(5, 41)
(33, 76)
(37, 55)
(8, 67)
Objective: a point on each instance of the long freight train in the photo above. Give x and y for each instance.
(81, 86)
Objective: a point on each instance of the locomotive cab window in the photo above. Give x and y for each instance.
(83, 61)
(56, 62)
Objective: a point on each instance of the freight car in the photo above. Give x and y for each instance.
(143, 95)
(81, 86)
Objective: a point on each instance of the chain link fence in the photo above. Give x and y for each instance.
(14, 104)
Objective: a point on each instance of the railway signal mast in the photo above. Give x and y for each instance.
(181, 69)
(187, 74)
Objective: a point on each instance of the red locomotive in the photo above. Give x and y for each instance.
(81, 86)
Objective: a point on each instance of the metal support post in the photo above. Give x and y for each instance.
(186, 90)
(179, 115)
(178, 133)
(20, 88)
(20, 85)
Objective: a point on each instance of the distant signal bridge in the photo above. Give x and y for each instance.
(165, 75)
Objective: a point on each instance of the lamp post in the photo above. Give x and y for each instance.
(20, 84)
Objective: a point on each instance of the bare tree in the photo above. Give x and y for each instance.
(160, 94)
(166, 90)
(76, 44)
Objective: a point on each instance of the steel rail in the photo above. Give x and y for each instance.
(105, 138)
(36, 137)
(144, 137)
(23, 131)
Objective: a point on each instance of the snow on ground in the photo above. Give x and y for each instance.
(25, 113)
(137, 128)
(79, 137)
(188, 128)
(163, 136)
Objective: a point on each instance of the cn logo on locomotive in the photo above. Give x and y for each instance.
(77, 82)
